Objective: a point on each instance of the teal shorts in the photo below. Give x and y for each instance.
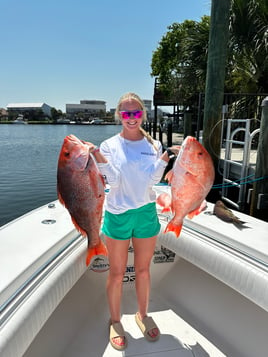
(135, 223)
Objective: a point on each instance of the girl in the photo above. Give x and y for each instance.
(132, 163)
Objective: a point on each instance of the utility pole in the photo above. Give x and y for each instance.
(216, 63)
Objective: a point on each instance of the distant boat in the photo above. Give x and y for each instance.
(96, 121)
(19, 120)
(63, 121)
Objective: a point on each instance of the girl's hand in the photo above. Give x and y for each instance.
(175, 149)
(167, 155)
(91, 146)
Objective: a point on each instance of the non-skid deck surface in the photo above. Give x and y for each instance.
(178, 338)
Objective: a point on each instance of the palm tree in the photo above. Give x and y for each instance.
(180, 61)
(248, 69)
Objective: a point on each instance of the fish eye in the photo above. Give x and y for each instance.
(200, 153)
(66, 154)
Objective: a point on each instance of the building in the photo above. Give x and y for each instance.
(3, 114)
(86, 109)
(28, 108)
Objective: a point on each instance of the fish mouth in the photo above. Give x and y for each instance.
(87, 163)
(73, 139)
(88, 160)
(83, 160)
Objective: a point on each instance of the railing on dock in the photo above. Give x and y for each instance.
(243, 162)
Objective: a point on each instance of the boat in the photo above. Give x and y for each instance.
(63, 121)
(209, 289)
(19, 120)
(96, 121)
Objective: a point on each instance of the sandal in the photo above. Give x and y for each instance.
(146, 325)
(117, 330)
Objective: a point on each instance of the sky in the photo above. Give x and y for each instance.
(59, 52)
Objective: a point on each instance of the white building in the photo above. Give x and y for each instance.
(87, 107)
(21, 108)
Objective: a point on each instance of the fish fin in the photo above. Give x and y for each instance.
(171, 227)
(84, 233)
(166, 209)
(99, 249)
(190, 215)
(193, 213)
(61, 199)
(198, 210)
(203, 206)
(166, 205)
(169, 176)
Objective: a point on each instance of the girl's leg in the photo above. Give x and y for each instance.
(118, 254)
(143, 253)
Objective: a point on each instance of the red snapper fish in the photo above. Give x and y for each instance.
(191, 179)
(80, 188)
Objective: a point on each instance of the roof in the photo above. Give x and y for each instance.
(25, 105)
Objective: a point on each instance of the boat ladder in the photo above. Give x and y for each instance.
(242, 162)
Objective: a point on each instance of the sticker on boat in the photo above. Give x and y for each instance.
(163, 255)
(100, 264)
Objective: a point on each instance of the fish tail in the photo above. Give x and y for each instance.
(239, 224)
(171, 227)
(99, 249)
(238, 221)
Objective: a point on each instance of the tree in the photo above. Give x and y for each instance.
(248, 61)
(180, 60)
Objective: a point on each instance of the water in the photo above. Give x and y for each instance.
(28, 163)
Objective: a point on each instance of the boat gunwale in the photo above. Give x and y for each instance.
(55, 278)
(21, 294)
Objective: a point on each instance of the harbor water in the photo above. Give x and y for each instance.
(28, 163)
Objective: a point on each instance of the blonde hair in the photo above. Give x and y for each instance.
(136, 98)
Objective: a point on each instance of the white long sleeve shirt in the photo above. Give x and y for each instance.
(133, 168)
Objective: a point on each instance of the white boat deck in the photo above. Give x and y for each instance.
(209, 291)
(198, 316)
(178, 338)
(79, 326)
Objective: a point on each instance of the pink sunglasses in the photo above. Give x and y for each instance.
(137, 114)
